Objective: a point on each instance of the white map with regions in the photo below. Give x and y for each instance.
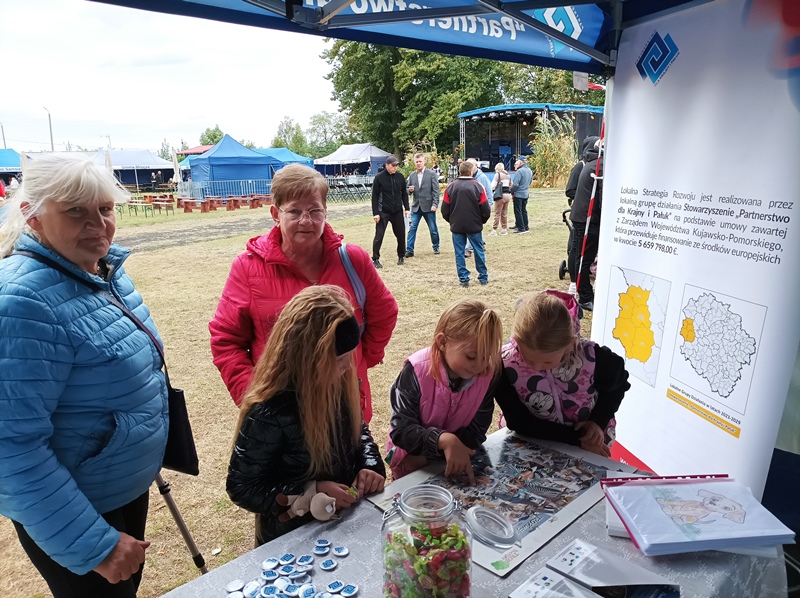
(634, 327)
(715, 343)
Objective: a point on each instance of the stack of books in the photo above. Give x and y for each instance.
(672, 515)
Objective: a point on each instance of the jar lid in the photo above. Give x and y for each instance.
(426, 501)
(490, 528)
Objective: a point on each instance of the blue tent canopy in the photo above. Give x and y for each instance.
(281, 156)
(9, 161)
(550, 33)
(229, 160)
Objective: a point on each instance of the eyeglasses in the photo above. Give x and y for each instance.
(315, 215)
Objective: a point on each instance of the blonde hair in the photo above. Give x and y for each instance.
(296, 180)
(465, 321)
(60, 179)
(543, 323)
(301, 355)
(499, 167)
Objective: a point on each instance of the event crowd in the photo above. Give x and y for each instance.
(85, 405)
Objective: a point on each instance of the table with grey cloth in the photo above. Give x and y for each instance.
(703, 574)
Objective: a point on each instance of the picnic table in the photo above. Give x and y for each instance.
(190, 204)
(135, 206)
(163, 203)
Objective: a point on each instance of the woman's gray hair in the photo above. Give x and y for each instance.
(60, 179)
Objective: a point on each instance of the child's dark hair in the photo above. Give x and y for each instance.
(464, 321)
(543, 323)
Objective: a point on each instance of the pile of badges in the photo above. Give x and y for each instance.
(290, 577)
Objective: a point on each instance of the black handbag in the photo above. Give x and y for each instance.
(498, 190)
(181, 453)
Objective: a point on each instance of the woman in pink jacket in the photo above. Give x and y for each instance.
(301, 250)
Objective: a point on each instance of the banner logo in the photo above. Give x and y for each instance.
(656, 58)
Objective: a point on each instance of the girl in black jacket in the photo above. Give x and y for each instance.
(300, 419)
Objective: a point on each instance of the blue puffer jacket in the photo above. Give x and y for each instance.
(83, 404)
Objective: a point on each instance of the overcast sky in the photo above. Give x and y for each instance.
(140, 77)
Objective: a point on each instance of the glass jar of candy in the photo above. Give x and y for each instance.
(427, 548)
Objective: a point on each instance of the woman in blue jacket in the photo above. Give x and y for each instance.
(83, 401)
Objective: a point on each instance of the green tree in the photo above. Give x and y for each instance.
(363, 83)
(438, 88)
(184, 145)
(248, 143)
(166, 151)
(398, 97)
(211, 136)
(327, 131)
(535, 84)
(290, 135)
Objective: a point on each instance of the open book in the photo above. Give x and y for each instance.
(693, 513)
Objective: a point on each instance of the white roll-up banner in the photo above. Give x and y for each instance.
(698, 280)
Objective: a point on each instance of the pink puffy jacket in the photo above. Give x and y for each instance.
(263, 280)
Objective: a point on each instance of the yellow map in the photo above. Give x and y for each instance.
(632, 327)
(687, 330)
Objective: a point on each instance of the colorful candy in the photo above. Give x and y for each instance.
(427, 562)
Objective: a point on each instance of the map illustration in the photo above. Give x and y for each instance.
(718, 341)
(714, 342)
(635, 318)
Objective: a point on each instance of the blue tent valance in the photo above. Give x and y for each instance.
(552, 34)
(521, 108)
(9, 161)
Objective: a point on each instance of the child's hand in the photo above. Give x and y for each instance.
(598, 449)
(457, 456)
(368, 481)
(344, 499)
(590, 432)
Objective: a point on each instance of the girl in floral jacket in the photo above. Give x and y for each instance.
(555, 384)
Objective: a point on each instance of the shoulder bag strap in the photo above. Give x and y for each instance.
(108, 296)
(355, 282)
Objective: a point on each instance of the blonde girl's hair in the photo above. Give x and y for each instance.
(499, 167)
(465, 321)
(297, 180)
(301, 355)
(543, 323)
(50, 178)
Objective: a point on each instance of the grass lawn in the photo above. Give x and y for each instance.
(181, 285)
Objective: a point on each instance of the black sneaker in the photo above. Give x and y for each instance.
(436, 251)
(377, 264)
(464, 284)
(588, 306)
(400, 261)
(409, 254)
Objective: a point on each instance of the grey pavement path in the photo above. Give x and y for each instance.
(178, 233)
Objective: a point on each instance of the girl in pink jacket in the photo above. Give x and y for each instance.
(443, 399)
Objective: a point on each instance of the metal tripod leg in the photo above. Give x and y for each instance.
(164, 489)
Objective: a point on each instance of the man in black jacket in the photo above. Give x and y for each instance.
(466, 208)
(389, 205)
(578, 215)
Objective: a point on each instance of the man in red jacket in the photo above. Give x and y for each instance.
(301, 250)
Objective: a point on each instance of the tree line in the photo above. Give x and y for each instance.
(400, 99)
